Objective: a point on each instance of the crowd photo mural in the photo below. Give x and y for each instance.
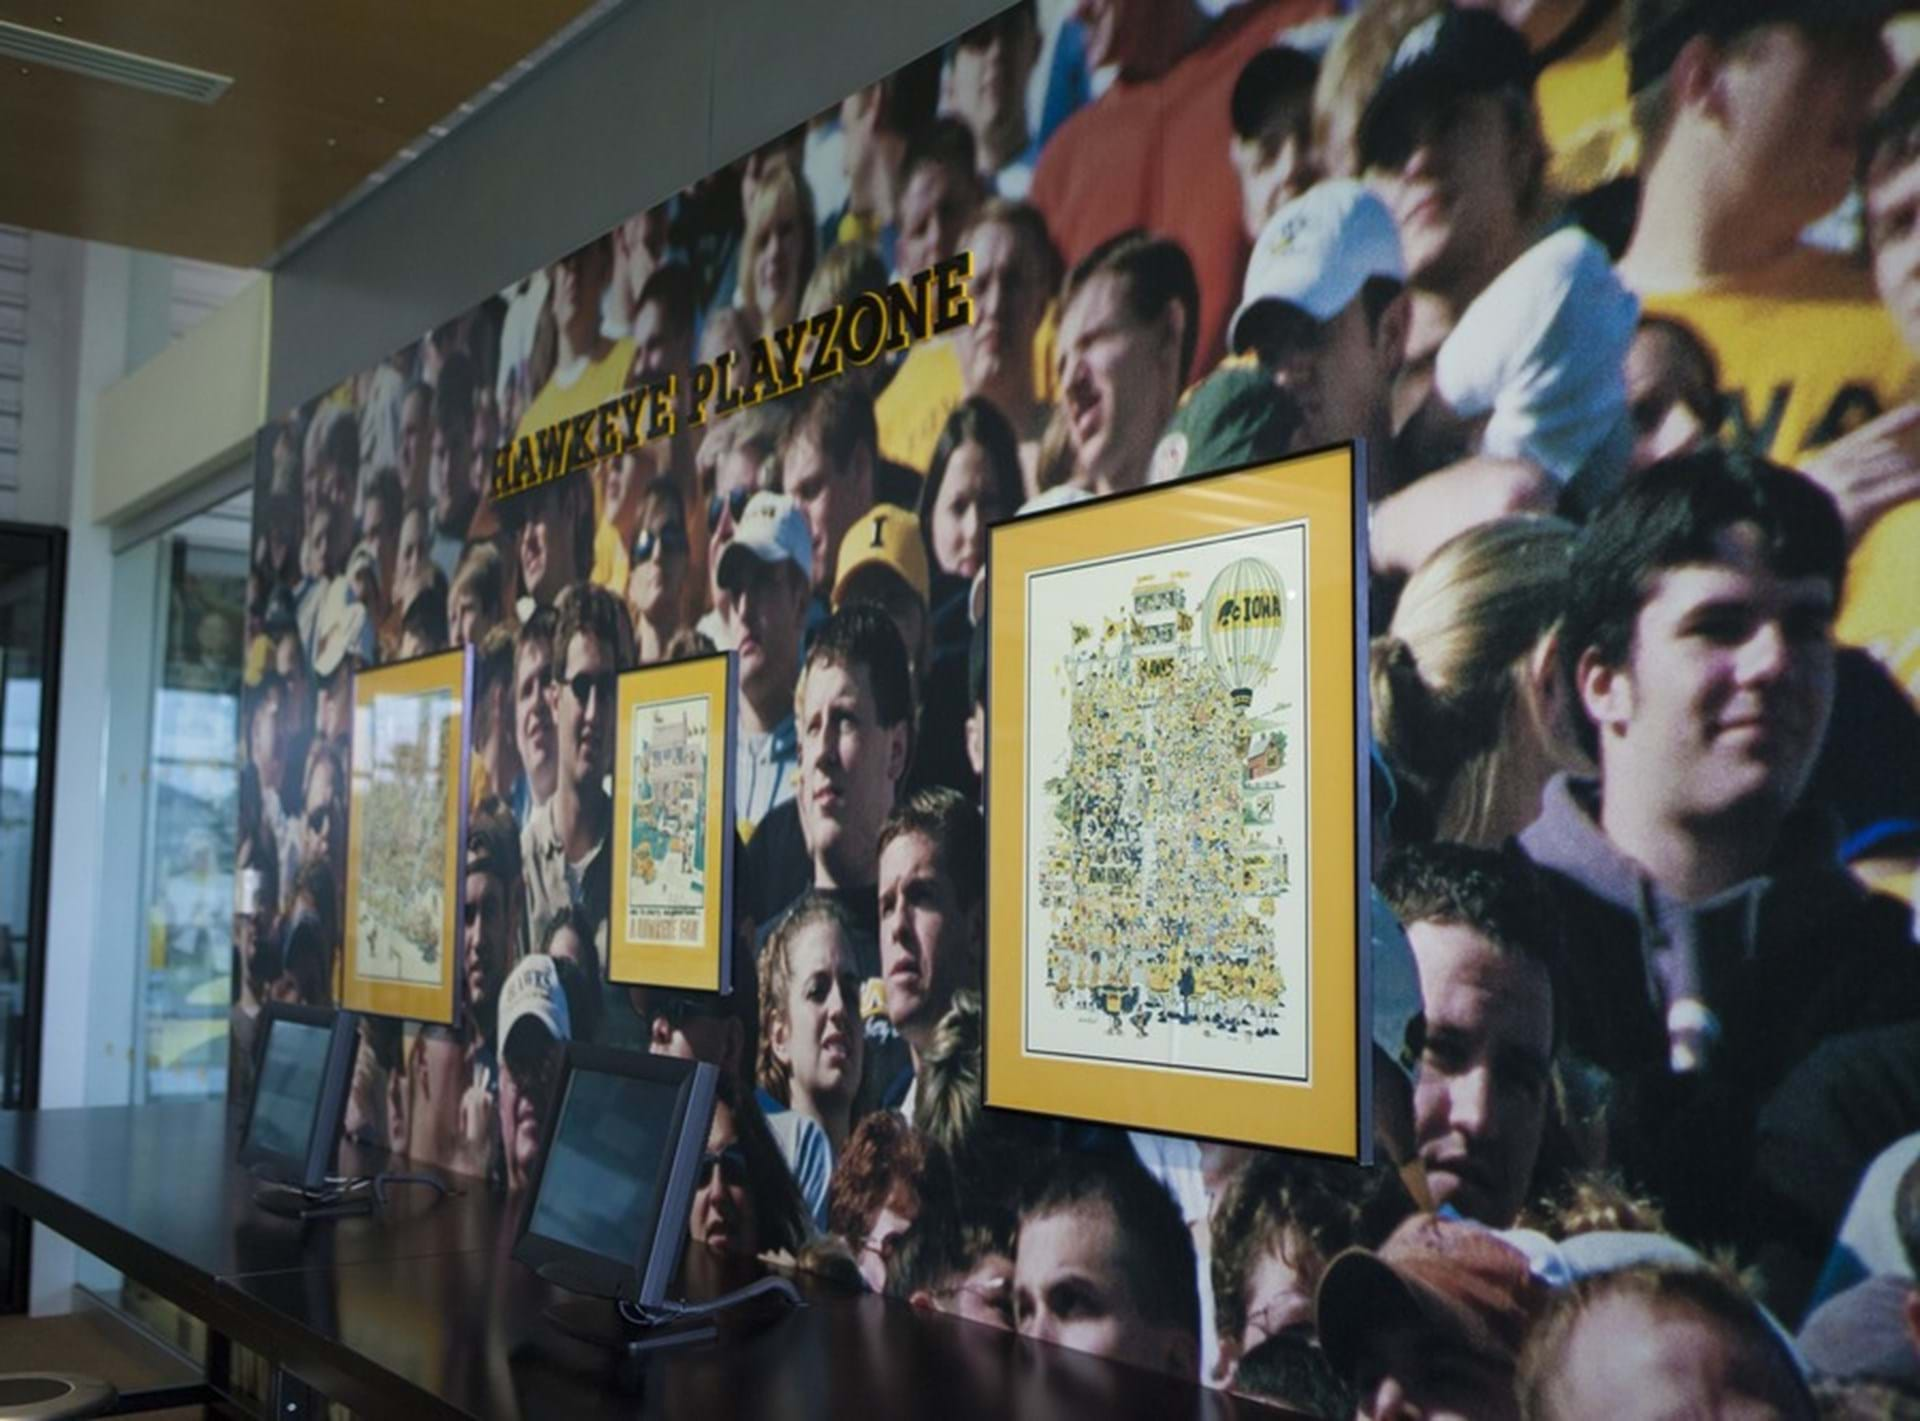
(1623, 298)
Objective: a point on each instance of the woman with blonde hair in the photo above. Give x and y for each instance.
(812, 1042)
(1467, 704)
(776, 252)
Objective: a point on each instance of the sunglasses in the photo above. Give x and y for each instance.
(735, 503)
(317, 818)
(586, 683)
(669, 538)
(678, 1011)
(731, 1162)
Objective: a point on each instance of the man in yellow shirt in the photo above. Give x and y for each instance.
(588, 368)
(1882, 607)
(1750, 119)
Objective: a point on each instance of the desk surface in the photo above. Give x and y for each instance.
(155, 1192)
(421, 1311)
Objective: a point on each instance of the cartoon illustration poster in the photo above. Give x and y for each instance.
(406, 829)
(666, 868)
(1166, 914)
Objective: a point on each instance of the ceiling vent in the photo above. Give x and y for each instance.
(116, 66)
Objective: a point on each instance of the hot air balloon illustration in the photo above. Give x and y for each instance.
(1246, 614)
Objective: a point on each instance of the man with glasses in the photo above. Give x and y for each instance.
(656, 581)
(552, 528)
(564, 843)
(966, 1271)
(766, 570)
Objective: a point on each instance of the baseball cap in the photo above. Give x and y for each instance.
(773, 529)
(888, 535)
(341, 628)
(1457, 1278)
(1235, 416)
(1657, 30)
(533, 992)
(1318, 251)
(1452, 53)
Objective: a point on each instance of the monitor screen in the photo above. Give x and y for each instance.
(292, 1076)
(599, 1190)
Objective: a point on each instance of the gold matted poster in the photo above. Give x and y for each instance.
(673, 826)
(1176, 780)
(406, 836)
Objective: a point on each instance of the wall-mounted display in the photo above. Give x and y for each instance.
(673, 840)
(406, 828)
(1176, 866)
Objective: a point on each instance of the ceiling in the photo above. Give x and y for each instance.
(325, 93)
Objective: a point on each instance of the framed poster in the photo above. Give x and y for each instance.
(672, 915)
(406, 835)
(1177, 780)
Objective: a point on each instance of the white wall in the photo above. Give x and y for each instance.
(664, 92)
(82, 302)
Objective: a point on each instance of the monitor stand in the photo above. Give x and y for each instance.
(635, 1331)
(293, 1201)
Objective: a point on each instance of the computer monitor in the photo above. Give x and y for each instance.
(608, 1205)
(300, 1093)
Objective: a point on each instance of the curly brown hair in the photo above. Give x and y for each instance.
(885, 1153)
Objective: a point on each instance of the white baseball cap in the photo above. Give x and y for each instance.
(773, 529)
(533, 990)
(1319, 250)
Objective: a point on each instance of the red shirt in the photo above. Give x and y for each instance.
(1152, 153)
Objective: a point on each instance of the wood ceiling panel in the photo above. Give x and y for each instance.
(323, 95)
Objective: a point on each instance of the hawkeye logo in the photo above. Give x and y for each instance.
(1256, 609)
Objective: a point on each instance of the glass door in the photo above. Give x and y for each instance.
(32, 579)
(192, 777)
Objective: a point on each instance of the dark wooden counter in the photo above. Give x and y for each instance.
(421, 1312)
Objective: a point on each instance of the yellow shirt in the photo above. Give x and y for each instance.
(610, 559)
(1585, 113)
(1806, 351)
(913, 409)
(1806, 354)
(597, 383)
(1881, 613)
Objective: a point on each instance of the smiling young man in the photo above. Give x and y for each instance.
(1450, 140)
(1484, 938)
(932, 864)
(1712, 939)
